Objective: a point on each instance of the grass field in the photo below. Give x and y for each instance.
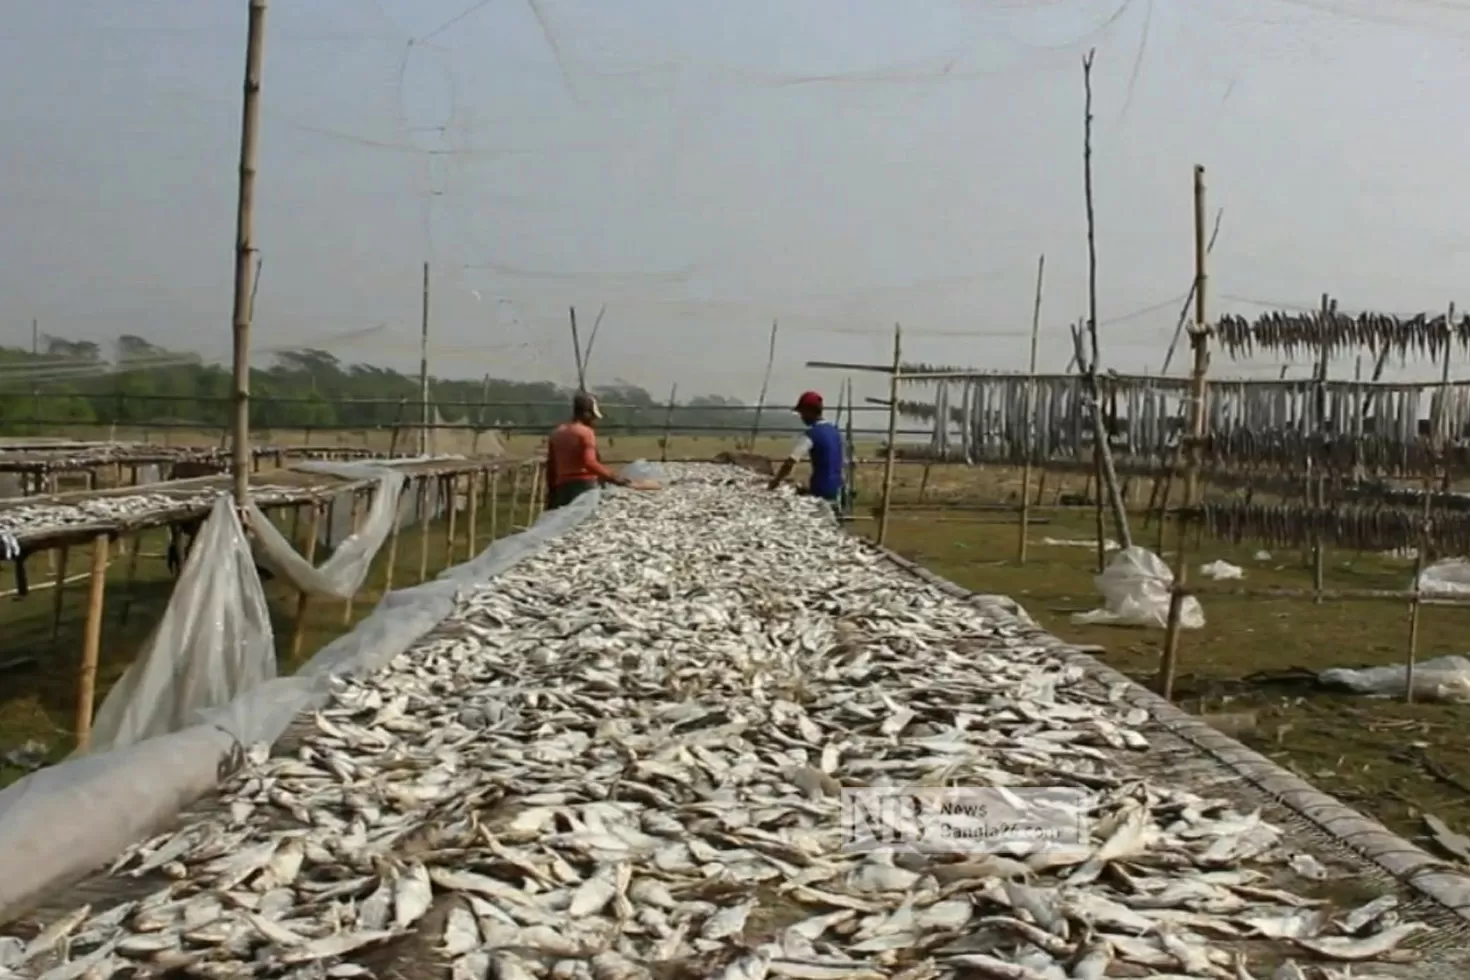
(1392, 760)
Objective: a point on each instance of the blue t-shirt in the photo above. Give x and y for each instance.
(822, 442)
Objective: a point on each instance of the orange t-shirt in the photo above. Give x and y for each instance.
(571, 456)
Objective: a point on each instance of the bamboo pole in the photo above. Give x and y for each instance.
(450, 485)
(1102, 450)
(1199, 344)
(1030, 413)
(1316, 483)
(60, 594)
(1169, 661)
(392, 560)
(760, 405)
(131, 582)
(244, 249)
(357, 509)
(474, 515)
(91, 642)
(885, 503)
(495, 504)
(298, 629)
(1437, 434)
(851, 450)
(535, 492)
(515, 493)
(424, 366)
(424, 522)
(577, 350)
(663, 449)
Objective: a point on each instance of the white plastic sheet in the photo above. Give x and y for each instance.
(1449, 577)
(213, 641)
(64, 821)
(1135, 588)
(342, 574)
(1440, 679)
(1221, 571)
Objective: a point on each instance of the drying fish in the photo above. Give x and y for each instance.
(633, 752)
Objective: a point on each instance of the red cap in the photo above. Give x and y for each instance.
(809, 400)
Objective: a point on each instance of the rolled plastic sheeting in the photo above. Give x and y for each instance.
(213, 642)
(60, 823)
(1439, 679)
(1136, 587)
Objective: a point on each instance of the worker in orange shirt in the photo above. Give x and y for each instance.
(572, 466)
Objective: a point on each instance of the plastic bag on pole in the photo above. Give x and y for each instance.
(1135, 588)
(213, 642)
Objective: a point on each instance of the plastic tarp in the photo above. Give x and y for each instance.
(213, 641)
(341, 575)
(1440, 679)
(62, 822)
(1448, 577)
(1135, 588)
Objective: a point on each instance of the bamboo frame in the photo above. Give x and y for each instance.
(392, 560)
(91, 642)
(357, 518)
(474, 514)
(1030, 413)
(424, 522)
(887, 498)
(298, 628)
(450, 485)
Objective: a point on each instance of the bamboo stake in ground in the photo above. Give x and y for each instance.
(298, 629)
(450, 488)
(760, 405)
(59, 594)
(886, 503)
(392, 561)
(515, 495)
(357, 509)
(244, 249)
(425, 522)
(535, 492)
(495, 504)
(132, 580)
(1316, 498)
(91, 641)
(1102, 451)
(663, 446)
(1030, 413)
(1199, 344)
(1169, 662)
(474, 515)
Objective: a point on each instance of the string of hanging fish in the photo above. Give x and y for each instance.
(1345, 526)
(1332, 333)
(1408, 428)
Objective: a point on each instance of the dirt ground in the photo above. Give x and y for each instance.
(1394, 761)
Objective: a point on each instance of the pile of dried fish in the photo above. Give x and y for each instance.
(623, 759)
(1357, 528)
(25, 519)
(1294, 333)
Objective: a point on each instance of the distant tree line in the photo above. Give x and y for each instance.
(72, 382)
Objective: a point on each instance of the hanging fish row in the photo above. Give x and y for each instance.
(1386, 428)
(1293, 333)
(1341, 526)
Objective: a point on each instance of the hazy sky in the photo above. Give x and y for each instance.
(704, 167)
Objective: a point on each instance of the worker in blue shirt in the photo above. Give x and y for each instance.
(822, 443)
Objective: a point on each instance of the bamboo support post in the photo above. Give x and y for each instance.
(1415, 603)
(885, 504)
(60, 555)
(131, 584)
(663, 446)
(357, 515)
(1169, 660)
(495, 504)
(298, 628)
(1199, 345)
(450, 489)
(1029, 419)
(425, 523)
(515, 496)
(474, 515)
(760, 407)
(91, 642)
(392, 561)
